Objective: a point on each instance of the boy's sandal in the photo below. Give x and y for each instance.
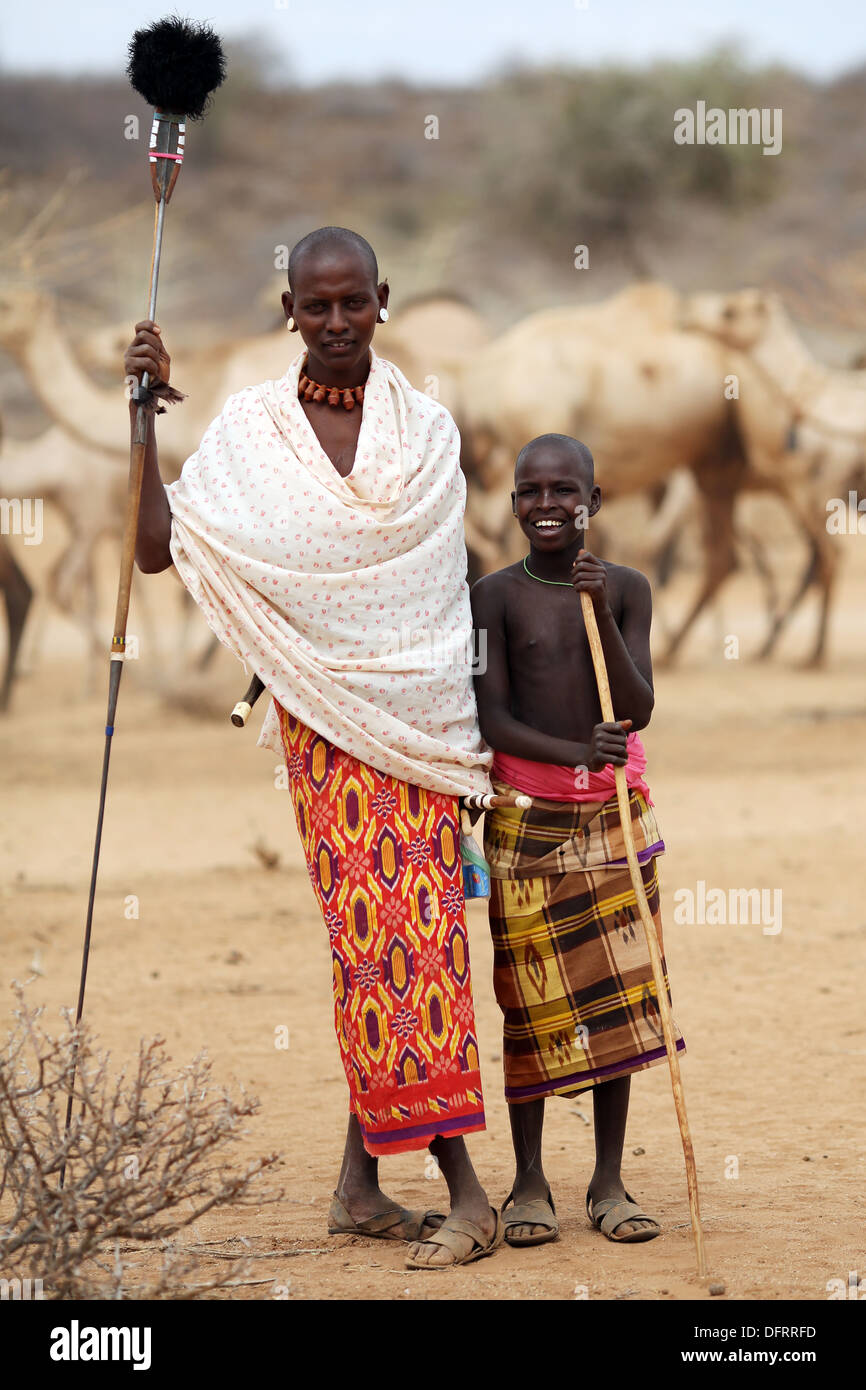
(448, 1237)
(610, 1213)
(383, 1225)
(538, 1212)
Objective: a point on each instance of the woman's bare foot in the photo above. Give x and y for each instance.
(438, 1256)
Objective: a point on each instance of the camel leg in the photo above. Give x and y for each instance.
(666, 562)
(782, 616)
(821, 570)
(765, 572)
(673, 503)
(828, 569)
(719, 561)
(17, 596)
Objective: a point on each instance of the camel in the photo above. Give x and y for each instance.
(647, 396)
(527, 375)
(803, 425)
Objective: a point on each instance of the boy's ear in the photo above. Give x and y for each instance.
(513, 504)
(594, 500)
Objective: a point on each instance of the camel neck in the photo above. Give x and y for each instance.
(91, 414)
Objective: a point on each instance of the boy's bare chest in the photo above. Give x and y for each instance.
(547, 639)
(548, 649)
(550, 668)
(337, 431)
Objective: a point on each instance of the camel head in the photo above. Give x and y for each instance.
(740, 319)
(21, 309)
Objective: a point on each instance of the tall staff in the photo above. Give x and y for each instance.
(175, 65)
(652, 940)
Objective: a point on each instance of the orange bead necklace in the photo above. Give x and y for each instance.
(311, 390)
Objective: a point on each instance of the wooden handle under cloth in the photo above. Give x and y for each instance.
(244, 708)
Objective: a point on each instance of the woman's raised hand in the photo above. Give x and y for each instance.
(146, 353)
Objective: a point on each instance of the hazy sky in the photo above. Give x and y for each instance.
(446, 40)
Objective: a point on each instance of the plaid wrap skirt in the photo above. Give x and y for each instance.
(571, 968)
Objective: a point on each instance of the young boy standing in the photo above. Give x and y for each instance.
(572, 973)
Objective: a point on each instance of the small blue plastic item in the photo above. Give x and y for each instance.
(476, 870)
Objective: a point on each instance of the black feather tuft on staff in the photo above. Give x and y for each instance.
(175, 64)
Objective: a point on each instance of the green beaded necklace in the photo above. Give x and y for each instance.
(564, 583)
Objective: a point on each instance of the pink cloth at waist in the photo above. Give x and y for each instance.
(559, 782)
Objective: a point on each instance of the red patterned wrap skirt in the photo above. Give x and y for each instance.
(384, 860)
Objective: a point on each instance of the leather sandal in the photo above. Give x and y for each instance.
(610, 1213)
(539, 1212)
(447, 1237)
(382, 1226)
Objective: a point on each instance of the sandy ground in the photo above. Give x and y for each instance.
(755, 773)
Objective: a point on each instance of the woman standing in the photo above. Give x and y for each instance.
(319, 526)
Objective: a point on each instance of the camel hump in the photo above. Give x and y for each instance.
(651, 298)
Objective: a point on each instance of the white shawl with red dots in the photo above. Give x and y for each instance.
(346, 596)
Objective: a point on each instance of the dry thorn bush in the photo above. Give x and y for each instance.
(146, 1156)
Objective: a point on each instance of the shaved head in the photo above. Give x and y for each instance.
(330, 242)
(566, 447)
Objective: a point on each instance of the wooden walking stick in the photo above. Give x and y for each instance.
(175, 65)
(622, 795)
